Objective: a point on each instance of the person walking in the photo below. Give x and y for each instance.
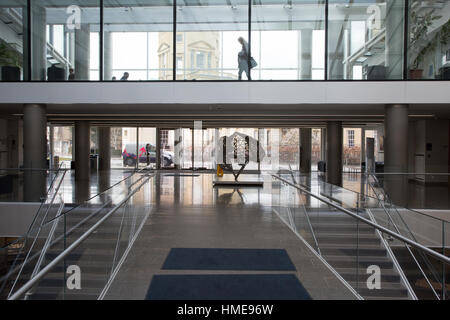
(243, 59)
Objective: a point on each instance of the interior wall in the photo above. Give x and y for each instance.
(11, 143)
(3, 143)
(429, 152)
(436, 149)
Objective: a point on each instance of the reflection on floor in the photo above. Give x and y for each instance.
(420, 196)
(189, 213)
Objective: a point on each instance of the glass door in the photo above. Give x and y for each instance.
(167, 151)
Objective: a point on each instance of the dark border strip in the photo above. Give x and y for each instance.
(326, 42)
(101, 36)
(405, 39)
(29, 60)
(174, 40)
(250, 3)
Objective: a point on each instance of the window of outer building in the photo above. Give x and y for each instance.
(61, 40)
(200, 60)
(429, 39)
(13, 27)
(180, 65)
(138, 39)
(164, 137)
(179, 37)
(367, 34)
(351, 138)
(212, 26)
(288, 39)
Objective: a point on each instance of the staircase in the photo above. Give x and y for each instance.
(94, 257)
(350, 247)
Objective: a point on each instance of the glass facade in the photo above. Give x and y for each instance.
(187, 40)
(138, 40)
(288, 39)
(13, 15)
(365, 40)
(429, 40)
(65, 40)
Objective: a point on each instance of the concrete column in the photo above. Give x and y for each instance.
(82, 150)
(82, 52)
(334, 153)
(108, 56)
(306, 54)
(35, 151)
(104, 148)
(396, 152)
(39, 42)
(394, 39)
(158, 148)
(305, 150)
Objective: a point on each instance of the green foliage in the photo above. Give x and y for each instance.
(9, 56)
(419, 26)
(445, 33)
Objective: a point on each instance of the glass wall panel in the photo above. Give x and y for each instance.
(365, 40)
(65, 40)
(138, 40)
(147, 147)
(63, 144)
(207, 38)
(352, 149)
(186, 148)
(12, 46)
(429, 39)
(209, 148)
(289, 148)
(270, 141)
(167, 150)
(204, 148)
(316, 148)
(288, 39)
(124, 148)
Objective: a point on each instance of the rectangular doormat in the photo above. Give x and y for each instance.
(228, 259)
(227, 287)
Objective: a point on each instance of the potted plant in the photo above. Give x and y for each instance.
(419, 27)
(9, 63)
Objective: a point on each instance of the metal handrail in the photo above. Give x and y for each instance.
(414, 244)
(386, 197)
(36, 254)
(306, 214)
(29, 284)
(39, 229)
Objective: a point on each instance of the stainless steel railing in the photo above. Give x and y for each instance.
(34, 280)
(442, 258)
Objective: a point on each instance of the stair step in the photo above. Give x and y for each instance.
(345, 239)
(372, 252)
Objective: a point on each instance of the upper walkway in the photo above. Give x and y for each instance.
(234, 92)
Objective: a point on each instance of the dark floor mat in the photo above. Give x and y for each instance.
(228, 259)
(227, 287)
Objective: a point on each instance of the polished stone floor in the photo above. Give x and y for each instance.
(189, 213)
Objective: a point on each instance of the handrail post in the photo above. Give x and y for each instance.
(443, 264)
